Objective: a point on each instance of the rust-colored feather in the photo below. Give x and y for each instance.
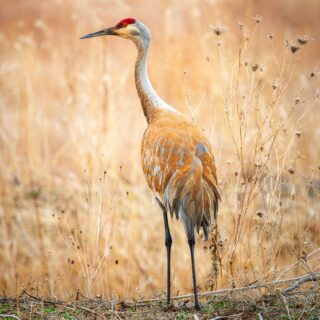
(178, 163)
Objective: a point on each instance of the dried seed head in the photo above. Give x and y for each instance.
(258, 164)
(270, 36)
(294, 47)
(218, 30)
(304, 39)
(260, 214)
(255, 67)
(297, 100)
(257, 18)
(304, 255)
(241, 25)
(291, 170)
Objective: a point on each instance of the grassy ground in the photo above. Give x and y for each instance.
(299, 305)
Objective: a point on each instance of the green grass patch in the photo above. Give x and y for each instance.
(68, 316)
(49, 309)
(221, 305)
(207, 309)
(182, 315)
(4, 308)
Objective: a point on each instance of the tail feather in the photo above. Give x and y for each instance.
(193, 199)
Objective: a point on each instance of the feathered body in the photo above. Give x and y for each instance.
(178, 163)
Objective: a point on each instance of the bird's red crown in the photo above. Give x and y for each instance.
(125, 22)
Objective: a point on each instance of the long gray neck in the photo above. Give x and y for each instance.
(150, 100)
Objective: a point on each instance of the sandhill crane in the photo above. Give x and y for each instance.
(177, 159)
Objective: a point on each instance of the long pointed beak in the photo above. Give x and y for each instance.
(105, 32)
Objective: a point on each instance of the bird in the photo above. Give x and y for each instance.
(177, 158)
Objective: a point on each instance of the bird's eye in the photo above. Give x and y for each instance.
(121, 25)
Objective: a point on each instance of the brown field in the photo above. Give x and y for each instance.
(76, 213)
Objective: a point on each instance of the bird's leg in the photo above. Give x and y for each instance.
(191, 243)
(168, 243)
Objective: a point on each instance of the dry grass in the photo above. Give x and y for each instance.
(253, 305)
(75, 209)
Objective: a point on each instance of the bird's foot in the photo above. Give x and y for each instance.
(197, 306)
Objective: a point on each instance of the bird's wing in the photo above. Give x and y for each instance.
(165, 152)
(179, 166)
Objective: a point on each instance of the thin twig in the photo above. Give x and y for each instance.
(9, 316)
(227, 317)
(306, 278)
(232, 290)
(60, 303)
(286, 305)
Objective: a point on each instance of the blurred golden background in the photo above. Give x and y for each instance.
(76, 212)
